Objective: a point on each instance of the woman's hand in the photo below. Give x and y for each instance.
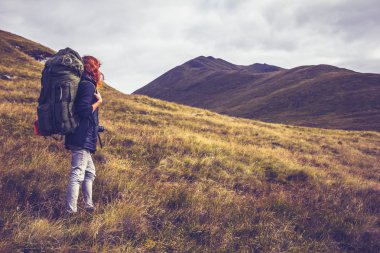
(97, 103)
(97, 95)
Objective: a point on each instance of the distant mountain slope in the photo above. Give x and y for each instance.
(20, 46)
(321, 96)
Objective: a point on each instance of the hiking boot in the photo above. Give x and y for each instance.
(70, 216)
(90, 209)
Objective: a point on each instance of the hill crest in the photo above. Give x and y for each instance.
(218, 64)
(321, 95)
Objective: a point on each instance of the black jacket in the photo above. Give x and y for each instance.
(85, 136)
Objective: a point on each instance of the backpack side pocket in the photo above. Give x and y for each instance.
(44, 119)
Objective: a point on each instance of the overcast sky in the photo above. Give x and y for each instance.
(139, 40)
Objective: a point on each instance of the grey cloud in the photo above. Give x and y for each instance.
(353, 20)
(139, 40)
(225, 5)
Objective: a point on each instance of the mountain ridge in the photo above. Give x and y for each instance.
(321, 95)
(218, 64)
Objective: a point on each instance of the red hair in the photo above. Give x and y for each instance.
(91, 68)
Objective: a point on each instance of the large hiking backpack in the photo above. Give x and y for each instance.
(59, 81)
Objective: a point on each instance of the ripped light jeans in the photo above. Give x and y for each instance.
(82, 174)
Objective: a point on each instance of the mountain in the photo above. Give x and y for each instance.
(173, 178)
(320, 95)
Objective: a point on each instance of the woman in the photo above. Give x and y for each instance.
(83, 141)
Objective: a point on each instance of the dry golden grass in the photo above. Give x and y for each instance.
(173, 178)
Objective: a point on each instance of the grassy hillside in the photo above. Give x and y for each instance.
(318, 96)
(173, 178)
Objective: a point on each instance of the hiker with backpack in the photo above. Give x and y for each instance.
(83, 141)
(68, 105)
